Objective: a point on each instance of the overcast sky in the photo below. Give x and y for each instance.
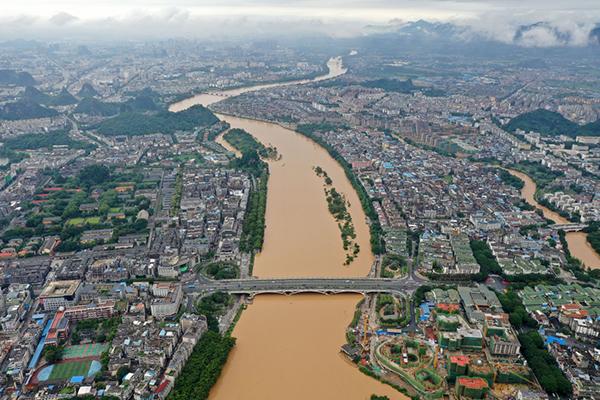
(87, 19)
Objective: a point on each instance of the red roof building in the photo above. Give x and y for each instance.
(472, 383)
(448, 307)
(460, 360)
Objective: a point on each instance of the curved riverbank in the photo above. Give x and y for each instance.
(288, 347)
(577, 241)
(334, 65)
(302, 333)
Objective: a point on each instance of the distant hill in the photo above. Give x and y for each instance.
(64, 98)
(34, 95)
(11, 77)
(92, 106)
(87, 90)
(591, 129)
(595, 35)
(25, 110)
(550, 123)
(527, 34)
(83, 50)
(141, 102)
(138, 123)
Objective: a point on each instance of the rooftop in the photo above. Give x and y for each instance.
(60, 288)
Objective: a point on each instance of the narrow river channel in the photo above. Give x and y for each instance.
(289, 347)
(578, 244)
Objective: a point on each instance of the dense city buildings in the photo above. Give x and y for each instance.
(143, 182)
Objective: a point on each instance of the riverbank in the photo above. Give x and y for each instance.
(335, 69)
(375, 230)
(298, 338)
(579, 247)
(289, 346)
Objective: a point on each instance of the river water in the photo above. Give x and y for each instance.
(334, 65)
(288, 347)
(578, 244)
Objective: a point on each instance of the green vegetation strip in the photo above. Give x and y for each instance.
(245, 143)
(33, 141)
(338, 207)
(178, 192)
(541, 362)
(203, 367)
(544, 365)
(309, 130)
(486, 260)
(510, 179)
(165, 122)
(253, 229)
(593, 235)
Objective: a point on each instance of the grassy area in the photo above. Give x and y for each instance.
(84, 221)
(66, 370)
(221, 270)
(393, 266)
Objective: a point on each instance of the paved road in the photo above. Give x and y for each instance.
(309, 285)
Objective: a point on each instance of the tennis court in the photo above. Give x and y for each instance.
(84, 350)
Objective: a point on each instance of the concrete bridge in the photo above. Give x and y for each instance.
(290, 286)
(574, 227)
(219, 94)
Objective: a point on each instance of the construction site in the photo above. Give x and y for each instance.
(462, 346)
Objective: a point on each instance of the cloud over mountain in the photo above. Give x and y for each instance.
(530, 23)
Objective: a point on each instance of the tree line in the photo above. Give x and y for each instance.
(203, 368)
(308, 130)
(165, 122)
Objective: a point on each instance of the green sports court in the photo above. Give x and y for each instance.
(84, 350)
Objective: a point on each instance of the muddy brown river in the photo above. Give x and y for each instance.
(288, 347)
(578, 244)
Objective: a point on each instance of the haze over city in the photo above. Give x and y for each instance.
(496, 20)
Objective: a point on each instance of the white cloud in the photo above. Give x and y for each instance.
(139, 19)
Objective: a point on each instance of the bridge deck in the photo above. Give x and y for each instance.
(312, 285)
